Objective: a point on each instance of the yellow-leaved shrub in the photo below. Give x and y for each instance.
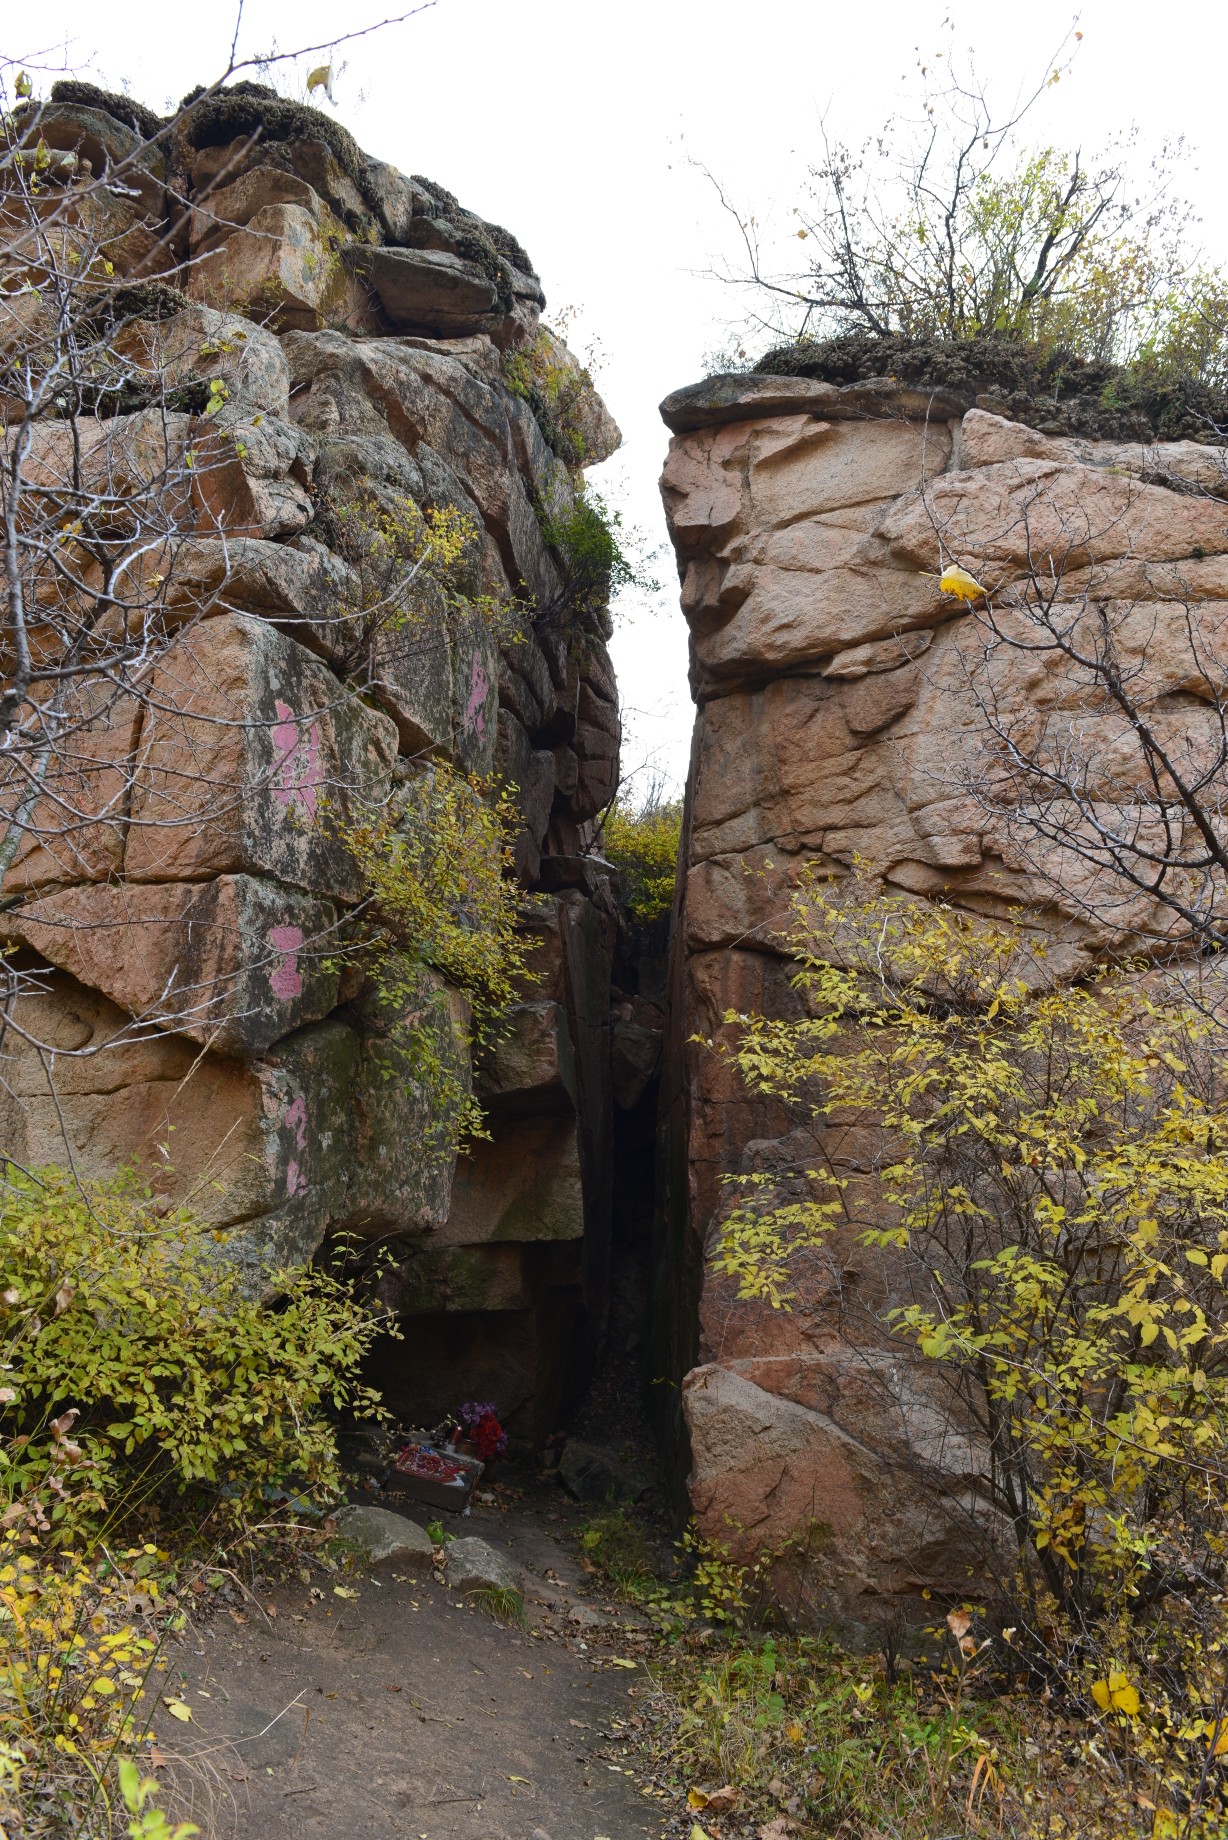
(1049, 1187)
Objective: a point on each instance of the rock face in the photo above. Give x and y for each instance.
(343, 328)
(841, 702)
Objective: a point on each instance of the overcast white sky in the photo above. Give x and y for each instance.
(571, 124)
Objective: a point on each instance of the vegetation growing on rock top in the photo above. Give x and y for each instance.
(1055, 389)
(1071, 290)
(121, 108)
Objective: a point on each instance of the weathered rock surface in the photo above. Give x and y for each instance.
(333, 334)
(474, 1565)
(841, 715)
(385, 1535)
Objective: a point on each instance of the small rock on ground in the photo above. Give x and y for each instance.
(472, 1565)
(387, 1536)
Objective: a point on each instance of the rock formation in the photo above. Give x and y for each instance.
(325, 333)
(841, 714)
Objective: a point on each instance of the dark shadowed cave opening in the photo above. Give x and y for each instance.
(555, 1333)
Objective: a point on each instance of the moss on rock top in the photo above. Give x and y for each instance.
(1052, 390)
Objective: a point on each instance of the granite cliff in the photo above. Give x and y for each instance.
(319, 339)
(842, 715)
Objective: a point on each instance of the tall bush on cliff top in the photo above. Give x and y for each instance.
(1049, 1178)
(946, 225)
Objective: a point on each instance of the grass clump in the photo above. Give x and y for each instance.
(619, 1548)
(501, 1603)
(772, 1729)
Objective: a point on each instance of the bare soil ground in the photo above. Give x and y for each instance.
(402, 1711)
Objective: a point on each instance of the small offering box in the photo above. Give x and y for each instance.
(440, 1478)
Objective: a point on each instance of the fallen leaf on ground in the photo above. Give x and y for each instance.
(519, 1779)
(178, 1709)
(341, 1590)
(723, 1801)
(779, 1829)
(617, 1661)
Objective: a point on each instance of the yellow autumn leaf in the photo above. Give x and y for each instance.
(341, 1590)
(178, 1709)
(617, 1661)
(320, 77)
(695, 1798)
(960, 583)
(794, 1733)
(1116, 1694)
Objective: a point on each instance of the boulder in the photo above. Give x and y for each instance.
(222, 209)
(387, 1536)
(75, 829)
(198, 343)
(747, 396)
(530, 1067)
(594, 1473)
(473, 1565)
(430, 290)
(987, 440)
(522, 1185)
(842, 716)
(283, 267)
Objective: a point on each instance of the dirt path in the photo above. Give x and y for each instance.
(403, 1712)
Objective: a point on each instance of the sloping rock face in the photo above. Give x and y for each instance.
(336, 331)
(841, 702)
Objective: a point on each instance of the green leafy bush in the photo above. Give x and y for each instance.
(596, 558)
(137, 1367)
(436, 865)
(643, 845)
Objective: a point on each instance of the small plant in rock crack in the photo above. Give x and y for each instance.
(442, 910)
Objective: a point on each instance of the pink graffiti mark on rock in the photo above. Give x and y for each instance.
(475, 712)
(296, 772)
(285, 979)
(295, 1118)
